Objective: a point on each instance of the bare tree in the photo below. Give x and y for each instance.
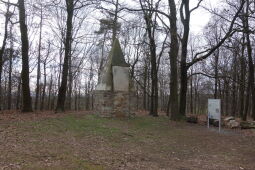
(27, 101)
(69, 23)
(39, 59)
(2, 50)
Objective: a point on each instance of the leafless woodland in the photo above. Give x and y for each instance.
(52, 53)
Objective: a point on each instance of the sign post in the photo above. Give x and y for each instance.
(214, 111)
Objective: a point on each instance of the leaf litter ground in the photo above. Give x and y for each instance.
(81, 140)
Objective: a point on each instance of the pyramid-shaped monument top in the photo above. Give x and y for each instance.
(116, 71)
(117, 56)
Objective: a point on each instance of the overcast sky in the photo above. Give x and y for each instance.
(201, 17)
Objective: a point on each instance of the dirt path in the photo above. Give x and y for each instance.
(83, 141)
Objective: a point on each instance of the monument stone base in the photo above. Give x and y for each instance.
(114, 104)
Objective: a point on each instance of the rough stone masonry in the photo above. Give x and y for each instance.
(114, 95)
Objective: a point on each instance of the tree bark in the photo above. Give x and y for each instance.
(62, 90)
(27, 102)
(173, 54)
(191, 93)
(10, 72)
(226, 92)
(70, 87)
(234, 89)
(18, 94)
(150, 28)
(2, 50)
(250, 88)
(216, 72)
(185, 18)
(79, 99)
(145, 86)
(49, 93)
(242, 79)
(38, 63)
(44, 84)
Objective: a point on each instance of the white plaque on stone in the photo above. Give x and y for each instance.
(120, 78)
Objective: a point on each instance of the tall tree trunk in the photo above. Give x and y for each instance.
(10, 72)
(154, 85)
(60, 63)
(150, 28)
(185, 18)
(250, 88)
(86, 96)
(148, 87)
(18, 94)
(191, 93)
(70, 87)
(27, 102)
(49, 93)
(242, 79)
(44, 86)
(234, 89)
(5, 94)
(53, 98)
(216, 73)
(38, 62)
(75, 96)
(196, 97)
(2, 50)
(79, 99)
(145, 86)
(173, 54)
(226, 90)
(45, 76)
(62, 90)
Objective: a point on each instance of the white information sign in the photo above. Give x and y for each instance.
(214, 110)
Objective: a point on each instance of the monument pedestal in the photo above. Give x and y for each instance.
(114, 104)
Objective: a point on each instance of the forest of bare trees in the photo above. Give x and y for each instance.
(52, 53)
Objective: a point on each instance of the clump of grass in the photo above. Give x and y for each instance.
(78, 125)
(83, 164)
(147, 122)
(69, 162)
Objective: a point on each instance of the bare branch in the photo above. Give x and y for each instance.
(229, 33)
(198, 4)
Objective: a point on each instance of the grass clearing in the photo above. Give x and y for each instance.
(90, 124)
(79, 141)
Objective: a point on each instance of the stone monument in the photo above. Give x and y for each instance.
(114, 95)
